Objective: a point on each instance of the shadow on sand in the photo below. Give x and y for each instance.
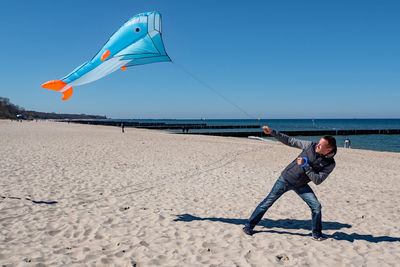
(292, 224)
(33, 201)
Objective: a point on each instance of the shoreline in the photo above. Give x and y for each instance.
(363, 141)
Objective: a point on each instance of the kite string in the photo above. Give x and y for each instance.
(214, 90)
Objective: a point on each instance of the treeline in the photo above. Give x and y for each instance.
(10, 111)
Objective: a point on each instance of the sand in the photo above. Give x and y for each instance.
(81, 195)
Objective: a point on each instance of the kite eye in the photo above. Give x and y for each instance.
(137, 29)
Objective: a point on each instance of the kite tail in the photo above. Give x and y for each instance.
(60, 86)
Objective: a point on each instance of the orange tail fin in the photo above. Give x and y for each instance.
(60, 86)
(67, 93)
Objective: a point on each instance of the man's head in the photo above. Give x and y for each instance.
(326, 145)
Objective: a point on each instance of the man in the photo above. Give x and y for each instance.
(314, 163)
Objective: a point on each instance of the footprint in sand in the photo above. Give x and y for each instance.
(282, 257)
(54, 232)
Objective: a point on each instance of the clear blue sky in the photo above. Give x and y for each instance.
(274, 59)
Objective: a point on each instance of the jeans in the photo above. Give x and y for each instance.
(281, 186)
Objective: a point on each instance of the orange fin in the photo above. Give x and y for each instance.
(58, 85)
(123, 68)
(67, 93)
(105, 55)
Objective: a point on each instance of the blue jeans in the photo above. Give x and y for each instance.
(281, 186)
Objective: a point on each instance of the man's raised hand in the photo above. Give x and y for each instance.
(267, 130)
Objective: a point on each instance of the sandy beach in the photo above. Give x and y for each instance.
(76, 195)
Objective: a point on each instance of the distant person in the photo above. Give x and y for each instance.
(314, 163)
(122, 127)
(347, 143)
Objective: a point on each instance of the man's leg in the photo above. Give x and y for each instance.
(280, 187)
(307, 194)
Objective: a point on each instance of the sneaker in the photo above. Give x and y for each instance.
(247, 230)
(319, 237)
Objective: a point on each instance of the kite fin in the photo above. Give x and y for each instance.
(105, 55)
(123, 68)
(60, 86)
(67, 93)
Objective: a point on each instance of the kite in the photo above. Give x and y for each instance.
(137, 42)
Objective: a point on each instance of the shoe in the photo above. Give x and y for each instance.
(319, 237)
(247, 230)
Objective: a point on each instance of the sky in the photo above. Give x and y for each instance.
(259, 59)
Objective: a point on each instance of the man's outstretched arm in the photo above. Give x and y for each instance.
(287, 140)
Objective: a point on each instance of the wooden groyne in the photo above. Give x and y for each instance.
(305, 133)
(188, 127)
(163, 125)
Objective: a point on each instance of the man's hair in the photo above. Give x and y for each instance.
(331, 141)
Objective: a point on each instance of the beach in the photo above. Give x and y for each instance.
(91, 195)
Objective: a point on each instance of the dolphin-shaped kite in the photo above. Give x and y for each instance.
(137, 42)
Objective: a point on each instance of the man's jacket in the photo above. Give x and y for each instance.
(318, 167)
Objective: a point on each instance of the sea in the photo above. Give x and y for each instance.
(379, 142)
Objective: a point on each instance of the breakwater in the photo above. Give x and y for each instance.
(304, 133)
(162, 125)
(190, 128)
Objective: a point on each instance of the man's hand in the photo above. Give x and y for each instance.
(267, 130)
(300, 161)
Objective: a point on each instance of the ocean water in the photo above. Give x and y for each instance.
(371, 142)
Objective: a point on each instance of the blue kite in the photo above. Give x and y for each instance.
(137, 42)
